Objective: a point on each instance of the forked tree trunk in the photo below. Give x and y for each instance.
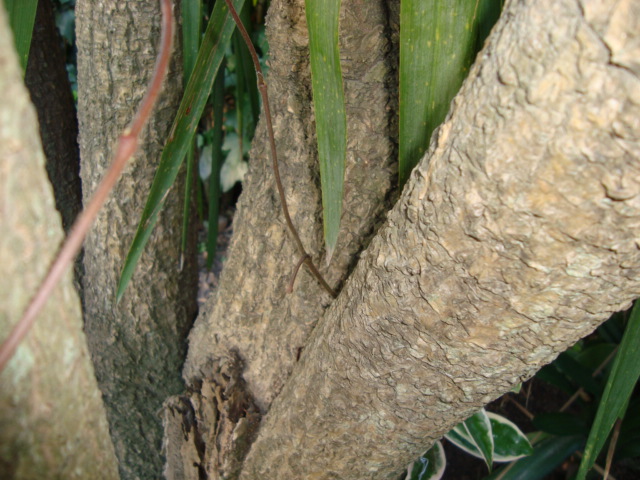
(515, 237)
(137, 346)
(252, 325)
(52, 421)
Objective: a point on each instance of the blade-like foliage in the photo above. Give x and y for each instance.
(191, 20)
(22, 15)
(438, 41)
(211, 53)
(620, 384)
(328, 102)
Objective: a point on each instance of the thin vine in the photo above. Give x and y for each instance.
(305, 258)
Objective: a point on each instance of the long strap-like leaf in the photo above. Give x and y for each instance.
(328, 102)
(212, 49)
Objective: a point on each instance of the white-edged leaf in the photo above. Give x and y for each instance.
(474, 436)
(430, 466)
(509, 441)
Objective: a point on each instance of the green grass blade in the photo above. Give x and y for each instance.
(191, 17)
(217, 157)
(22, 15)
(620, 384)
(191, 30)
(328, 101)
(211, 53)
(246, 79)
(438, 42)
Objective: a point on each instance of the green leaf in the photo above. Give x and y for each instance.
(509, 442)
(22, 15)
(474, 436)
(620, 384)
(191, 20)
(577, 373)
(430, 466)
(191, 30)
(547, 455)
(246, 80)
(328, 102)
(216, 40)
(560, 423)
(437, 46)
(551, 375)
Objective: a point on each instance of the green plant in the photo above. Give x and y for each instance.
(600, 374)
(22, 15)
(484, 435)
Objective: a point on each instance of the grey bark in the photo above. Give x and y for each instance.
(52, 420)
(137, 346)
(516, 236)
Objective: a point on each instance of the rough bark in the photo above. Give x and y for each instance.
(50, 90)
(137, 346)
(252, 312)
(516, 236)
(252, 318)
(52, 420)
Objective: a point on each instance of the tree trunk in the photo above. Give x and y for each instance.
(252, 325)
(137, 346)
(252, 312)
(52, 421)
(516, 236)
(526, 204)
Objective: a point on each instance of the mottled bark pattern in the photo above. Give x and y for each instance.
(516, 236)
(52, 421)
(137, 346)
(252, 312)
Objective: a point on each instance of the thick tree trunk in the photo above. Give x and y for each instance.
(252, 311)
(516, 236)
(138, 346)
(52, 421)
(252, 325)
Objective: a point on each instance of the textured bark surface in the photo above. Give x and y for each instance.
(517, 235)
(52, 421)
(252, 313)
(138, 346)
(251, 316)
(48, 84)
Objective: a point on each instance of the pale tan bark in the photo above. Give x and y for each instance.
(137, 346)
(252, 313)
(250, 334)
(516, 236)
(52, 420)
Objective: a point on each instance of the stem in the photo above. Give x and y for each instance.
(262, 86)
(127, 146)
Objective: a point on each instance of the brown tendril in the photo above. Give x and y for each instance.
(262, 86)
